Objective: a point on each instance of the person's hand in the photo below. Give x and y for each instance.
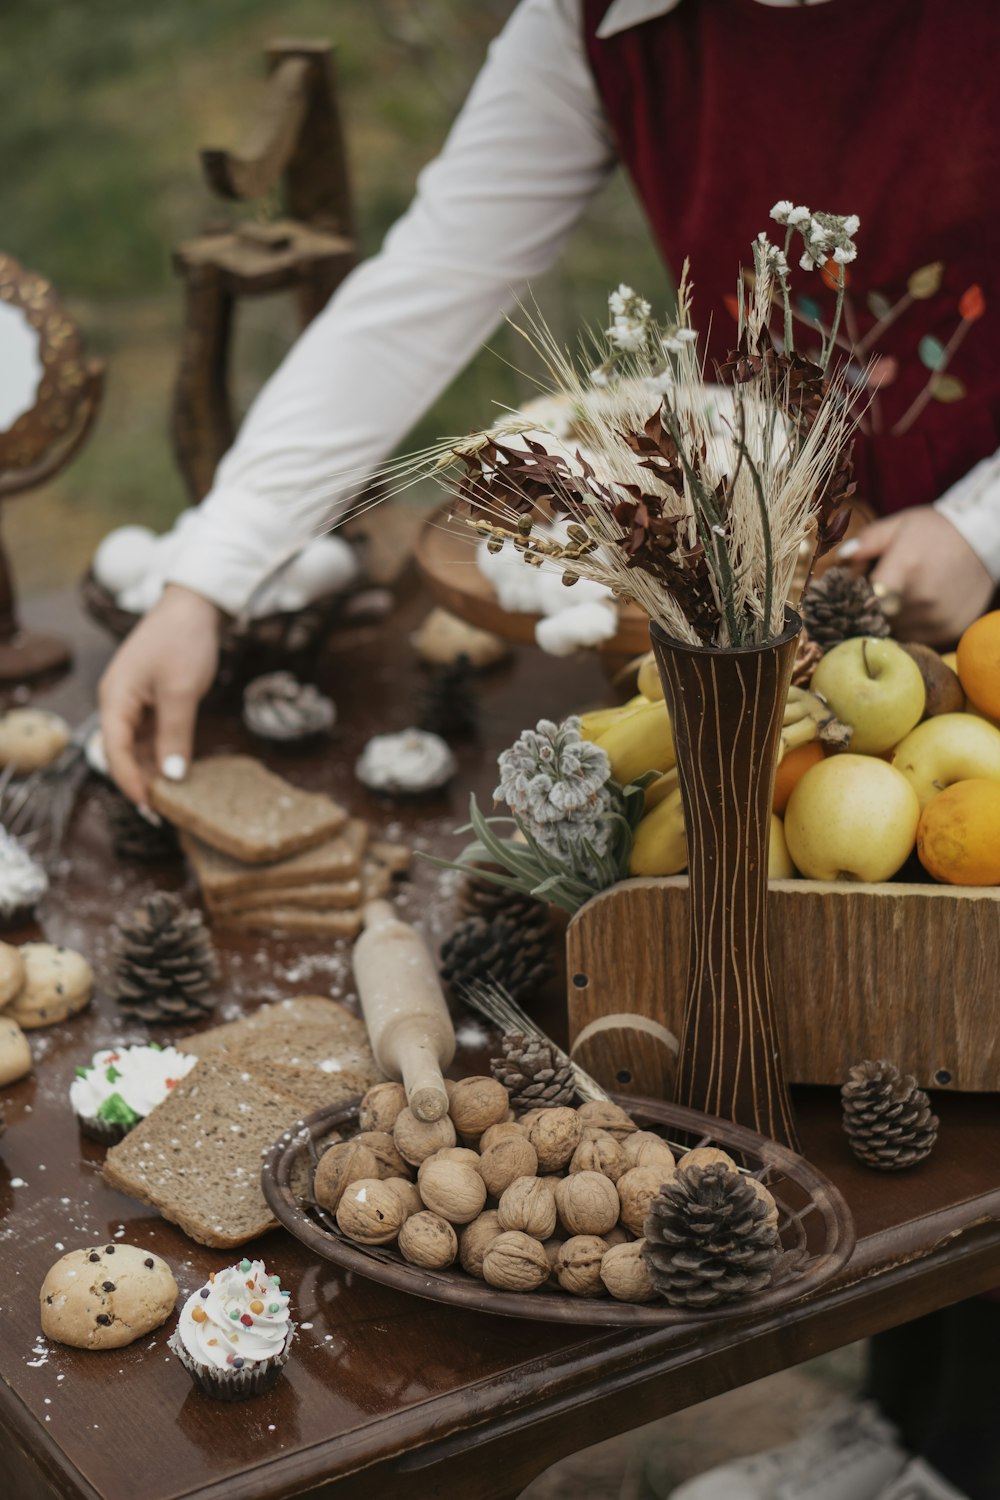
(942, 584)
(155, 681)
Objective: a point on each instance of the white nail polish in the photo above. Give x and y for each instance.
(174, 767)
(849, 548)
(152, 818)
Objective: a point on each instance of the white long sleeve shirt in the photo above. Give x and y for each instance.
(528, 152)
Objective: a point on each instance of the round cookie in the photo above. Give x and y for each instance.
(15, 1054)
(58, 983)
(12, 975)
(106, 1296)
(30, 738)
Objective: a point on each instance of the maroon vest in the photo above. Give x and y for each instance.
(884, 108)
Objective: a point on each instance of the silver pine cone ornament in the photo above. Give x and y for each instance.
(164, 962)
(515, 952)
(709, 1240)
(887, 1118)
(838, 605)
(534, 1072)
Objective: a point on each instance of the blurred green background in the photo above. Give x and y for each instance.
(105, 104)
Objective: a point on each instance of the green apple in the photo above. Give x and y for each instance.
(950, 748)
(873, 686)
(851, 817)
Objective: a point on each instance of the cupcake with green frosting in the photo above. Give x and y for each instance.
(120, 1085)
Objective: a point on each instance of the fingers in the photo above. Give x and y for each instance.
(121, 714)
(176, 713)
(870, 543)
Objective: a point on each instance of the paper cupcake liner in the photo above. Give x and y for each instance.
(230, 1384)
(104, 1132)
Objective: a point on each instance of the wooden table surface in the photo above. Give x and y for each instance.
(386, 1395)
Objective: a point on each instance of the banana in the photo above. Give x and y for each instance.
(657, 790)
(809, 717)
(648, 681)
(659, 845)
(595, 723)
(639, 741)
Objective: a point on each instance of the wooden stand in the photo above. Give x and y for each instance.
(905, 972)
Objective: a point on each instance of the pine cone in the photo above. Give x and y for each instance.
(132, 837)
(447, 704)
(515, 954)
(888, 1119)
(482, 898)
(838, 605)
(533, 1072)
(808, 656)
(708, 1240)
(164, 964)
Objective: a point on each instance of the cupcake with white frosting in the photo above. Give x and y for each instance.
(234, 1333)
(120, 1085)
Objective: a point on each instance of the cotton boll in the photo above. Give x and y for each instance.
(123, 557)
(554, 597)
(580, 625)
(140, 596)
(516, 584)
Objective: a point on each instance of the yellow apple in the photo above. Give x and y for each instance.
(950, 748)
(779, 861)
(851, 817)
(873, 686)
(659, 845)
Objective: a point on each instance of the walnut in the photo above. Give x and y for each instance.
(587, 1203)
(604, 1115)
(476, 1104)
(617, 1236)
(416, 1140)
(644, 1149)
(371, 1212)
(555, 1135)
(552, 1248)
(637, 1189)
(457, 1153)
(765, 1197)
(381, 1105)
(529, 1204)
(476, 1239)
(506, 1129)
(453, 1189)
(578, 1265)
(342, 1164)
(382, 1146)
(516, 1262)
(624, 1273)
(529, 1117)
(428, 1240)
(601, 1153)
(705, 1156)
(506, 1159)
(406, 1192)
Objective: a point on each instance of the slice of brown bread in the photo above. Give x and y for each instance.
(337, 924)
(235, 804)
(197, 1156)
(283, 1021)
(397, 858)
(312, 1089)
(221, 876)
(317, 1049)
(335, 895)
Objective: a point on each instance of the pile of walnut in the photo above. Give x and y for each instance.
(557, 1194)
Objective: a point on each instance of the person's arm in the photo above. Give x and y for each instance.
(527, 153)
(942, 559)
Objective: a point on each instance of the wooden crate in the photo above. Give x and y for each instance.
(906, 972)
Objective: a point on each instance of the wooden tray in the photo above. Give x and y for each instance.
(905, 972)
(446, 554)
(815, 1223)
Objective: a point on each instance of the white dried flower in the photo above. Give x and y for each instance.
(599, 377)
(799, 215)
(556, 784)
(781, 211)
(630, 319)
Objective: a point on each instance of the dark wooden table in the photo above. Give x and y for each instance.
(386, 1395)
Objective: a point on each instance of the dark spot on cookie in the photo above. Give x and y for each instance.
(49, 1301)
(93, 1256)
(149, 1262)
(59, 989)
(108, 1286)
(104, 1319)
(109, 1249)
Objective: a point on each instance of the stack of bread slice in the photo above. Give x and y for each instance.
(270, 857)
(197, 1156)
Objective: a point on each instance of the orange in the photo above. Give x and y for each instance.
(791, 770)
(979, 663)
(958, 837)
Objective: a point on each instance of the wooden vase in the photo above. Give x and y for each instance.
(727, 708)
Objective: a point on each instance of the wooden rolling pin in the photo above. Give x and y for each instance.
(404, 1008)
